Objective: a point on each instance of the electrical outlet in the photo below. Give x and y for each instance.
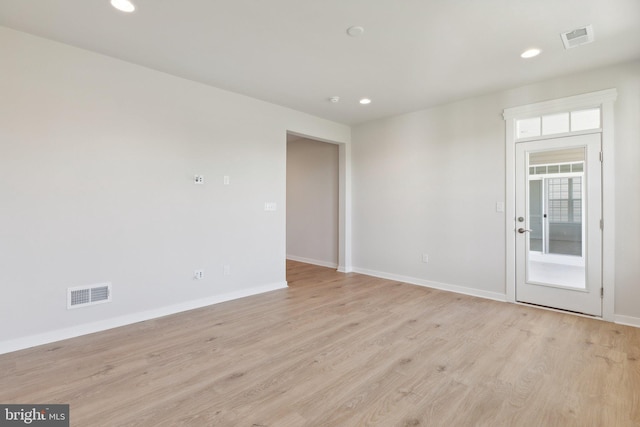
(425, 258)
(198, 274)
(198, 179)
(270, 206)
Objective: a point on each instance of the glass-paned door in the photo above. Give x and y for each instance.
(558, 200)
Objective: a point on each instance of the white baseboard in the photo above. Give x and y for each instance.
(312, 261)
(627, 320)
(436, 285)
(89, 328)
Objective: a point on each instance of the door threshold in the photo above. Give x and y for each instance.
(559, 310)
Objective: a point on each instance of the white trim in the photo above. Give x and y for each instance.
(604, 99)
(89, 328)
(312, 261)
(627, 320)
(496, 296)
(344, 208)
(559, 135)
(578, 102)
(608, 211)
(510, 211)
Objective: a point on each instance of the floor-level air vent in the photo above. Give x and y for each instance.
(82, 296)
(577, 37)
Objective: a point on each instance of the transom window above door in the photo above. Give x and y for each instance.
(559, 123)
(556, 168)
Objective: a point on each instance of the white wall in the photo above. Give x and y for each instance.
(96, 185)
(312, 201)
(428, 182)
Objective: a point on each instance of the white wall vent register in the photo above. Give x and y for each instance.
(577, 37)
(82, 296)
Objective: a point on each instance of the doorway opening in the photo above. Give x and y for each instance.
(313, 219)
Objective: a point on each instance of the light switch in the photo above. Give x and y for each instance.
(499, 206)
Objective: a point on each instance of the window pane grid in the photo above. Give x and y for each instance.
(552, 124)
(565, 199)
(556, 168)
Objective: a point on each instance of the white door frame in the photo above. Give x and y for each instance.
(603, 99)
(344, 200)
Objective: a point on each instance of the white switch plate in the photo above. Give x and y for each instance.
(270, 206)
(226, 270)
(198, 274)
(499, 206)
(225, 180)
(425, 258)
(198, 179)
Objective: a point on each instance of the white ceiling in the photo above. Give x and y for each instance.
(413, 54)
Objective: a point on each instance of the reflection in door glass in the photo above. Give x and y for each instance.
(565, 215)
(555, 246)
(535, 215)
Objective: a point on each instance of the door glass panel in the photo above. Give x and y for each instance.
(565, 215)
(555, 249)
(535, 215)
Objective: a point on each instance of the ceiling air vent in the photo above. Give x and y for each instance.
(577, 37)
(83, 296)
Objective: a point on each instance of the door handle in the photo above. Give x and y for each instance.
(523, 230)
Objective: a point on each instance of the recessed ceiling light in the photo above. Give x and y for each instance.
(355, 31)
(365, 101)
(123, 5)
(334, 99)
(530, 53)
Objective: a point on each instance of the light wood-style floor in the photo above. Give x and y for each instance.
(341, 350)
